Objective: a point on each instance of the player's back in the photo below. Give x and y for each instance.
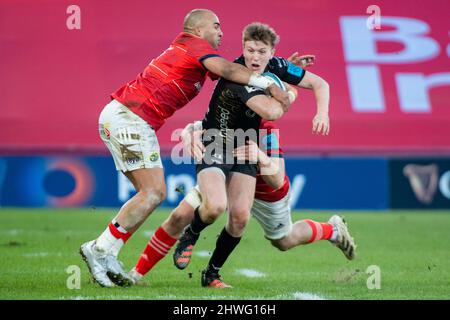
(169, 82)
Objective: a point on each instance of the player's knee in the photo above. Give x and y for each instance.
(238, 220)
(154, 196)
(215, 209)
(179, 220)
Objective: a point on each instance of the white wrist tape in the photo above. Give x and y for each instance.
(291, 96)
(257, 80)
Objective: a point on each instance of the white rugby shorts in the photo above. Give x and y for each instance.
(274, 217)
(132, 141)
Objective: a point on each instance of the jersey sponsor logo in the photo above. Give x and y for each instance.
(198, 86)
(154, 156)
(104, 130)
(294, 70)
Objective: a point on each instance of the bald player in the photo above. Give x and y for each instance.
(128, 125)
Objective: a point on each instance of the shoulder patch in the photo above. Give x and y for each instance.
(294, 70)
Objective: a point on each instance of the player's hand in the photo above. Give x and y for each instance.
(192, 142)
(321, 124)
(304, 61)
(281, 96)
(247, 152)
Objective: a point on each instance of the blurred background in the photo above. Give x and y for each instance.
(387, 63)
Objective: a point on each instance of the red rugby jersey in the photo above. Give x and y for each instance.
(271, 142)
(169, 82)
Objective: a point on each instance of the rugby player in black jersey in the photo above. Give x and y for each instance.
(223, 182)
(227, 183)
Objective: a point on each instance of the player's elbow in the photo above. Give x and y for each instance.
(272, 113)
(320, 84)
(275, 114)
(324, 85)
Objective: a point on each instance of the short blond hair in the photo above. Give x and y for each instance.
(257, 31)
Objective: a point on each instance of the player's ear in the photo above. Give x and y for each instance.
(272, 53)
(198, 31)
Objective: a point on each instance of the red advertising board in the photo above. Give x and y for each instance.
(389, 74)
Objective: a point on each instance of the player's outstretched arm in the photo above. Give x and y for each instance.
(237, 73)
(321, 121)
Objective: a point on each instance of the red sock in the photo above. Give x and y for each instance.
(118, 232)
(320, 231)
(157, 248)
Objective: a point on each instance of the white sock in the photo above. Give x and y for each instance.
(116, 247)
(106, 241)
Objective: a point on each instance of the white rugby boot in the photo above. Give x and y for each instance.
(116, 273)
(96, 263)
(343, 241)
(135, 276)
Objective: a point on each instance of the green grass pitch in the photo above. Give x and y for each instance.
(411, 250)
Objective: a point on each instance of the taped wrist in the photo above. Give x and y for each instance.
(257, 80)
(291, 96)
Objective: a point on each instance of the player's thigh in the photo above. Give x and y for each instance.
(148, 180)
(132, 141)
(274, 217)
(241, 192)
(212, 185)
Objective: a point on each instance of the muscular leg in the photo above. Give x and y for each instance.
(151, 192)
(212, 186)
(163, 240)
(213, 190)
(300, 234)
(179, 218)
(241, 191)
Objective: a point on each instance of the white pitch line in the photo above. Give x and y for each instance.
(41, 254)
(148, 234)
(307, 296)
(202, 253)
(250, 273)
(110, 297)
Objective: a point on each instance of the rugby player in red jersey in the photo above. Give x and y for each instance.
(128, 126)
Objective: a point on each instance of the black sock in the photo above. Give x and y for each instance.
(224, 246)
(197, 225)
